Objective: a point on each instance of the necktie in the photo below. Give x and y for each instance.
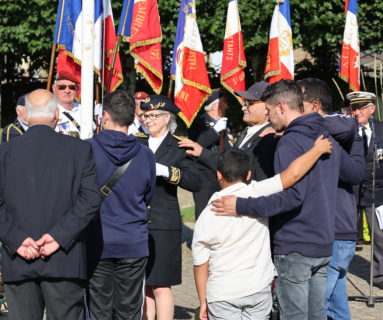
(241, 137)
(364, 137)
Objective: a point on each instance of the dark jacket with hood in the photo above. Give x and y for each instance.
(121, 230)
(307, 223)
(344, 130)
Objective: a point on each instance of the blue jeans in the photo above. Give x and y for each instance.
(336, 300)
(301, 286)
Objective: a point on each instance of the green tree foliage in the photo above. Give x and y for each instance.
(27, 27)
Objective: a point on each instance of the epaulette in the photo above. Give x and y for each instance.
(140, 134)
(177, 137)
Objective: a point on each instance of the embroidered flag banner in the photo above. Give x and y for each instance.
(280, 57)
(68, 36)
(349, 69)
(188, 69)
(233, 59)
(140, 25)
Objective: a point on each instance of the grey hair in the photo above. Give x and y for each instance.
(172, 124)
(41, 111)
(208, 107)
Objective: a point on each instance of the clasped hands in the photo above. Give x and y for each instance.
(44, 247)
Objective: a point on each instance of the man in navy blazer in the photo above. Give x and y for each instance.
(48, 195)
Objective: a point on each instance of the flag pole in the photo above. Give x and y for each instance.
(51, 67)
(87, 79)
(115, 50)
(54, 47)
(170, 89)
(340, 91)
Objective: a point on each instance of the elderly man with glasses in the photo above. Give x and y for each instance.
(259, 147)
(65, 89)
(363, 106)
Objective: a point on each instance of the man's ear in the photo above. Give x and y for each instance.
(18, 111)
(373, 108)
(219, 176)
(281, 107)
(248, 175)
(57, 114)
(105, 116)
(316, 106)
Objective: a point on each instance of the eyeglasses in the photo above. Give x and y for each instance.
(61, 87)
(152, 116)
(249, 103)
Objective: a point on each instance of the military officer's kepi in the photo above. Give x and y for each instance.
(159, 102)
(215, 94)
(360, 98)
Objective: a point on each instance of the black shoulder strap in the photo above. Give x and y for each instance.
(106, 189)
(72, 120)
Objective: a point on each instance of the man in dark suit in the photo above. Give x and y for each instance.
(19, 125)
(259, 148)
(363, 108)
(210, 131)
(48, 195)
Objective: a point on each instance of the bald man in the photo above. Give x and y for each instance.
(51, 195)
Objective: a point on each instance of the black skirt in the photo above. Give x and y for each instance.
(165, 258)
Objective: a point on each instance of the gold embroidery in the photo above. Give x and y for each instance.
(140, 134)
(175, 175)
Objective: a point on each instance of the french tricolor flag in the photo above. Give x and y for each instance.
(68, 35)
(349, 69)
(233, 59)
(188, 68)
(280, 58)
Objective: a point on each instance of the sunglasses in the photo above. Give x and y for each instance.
(249, 103)
(72, 87)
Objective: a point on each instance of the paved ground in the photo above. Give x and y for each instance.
(187, 301)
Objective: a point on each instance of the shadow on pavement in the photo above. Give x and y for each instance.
(187, 235)
(360, 267)
(183, 313)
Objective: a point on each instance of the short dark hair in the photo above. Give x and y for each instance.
(316, 89)
(121, 107)
(286, 91)
(234, 165)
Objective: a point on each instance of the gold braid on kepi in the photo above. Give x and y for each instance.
(175, 175)
(360, 98)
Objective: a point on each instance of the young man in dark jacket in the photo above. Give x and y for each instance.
(317, 98)
(304, 233)
(118, 239)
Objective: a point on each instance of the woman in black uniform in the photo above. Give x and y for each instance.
(173, 168)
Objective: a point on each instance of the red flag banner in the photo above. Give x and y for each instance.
(233, 60)
(145, 42)
(192, 85)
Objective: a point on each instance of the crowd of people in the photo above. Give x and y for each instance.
(92, 229)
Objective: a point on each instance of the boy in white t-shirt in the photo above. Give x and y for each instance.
(231, 255)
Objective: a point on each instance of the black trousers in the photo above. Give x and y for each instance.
(116, 287)
(62, 298)
(378, 245)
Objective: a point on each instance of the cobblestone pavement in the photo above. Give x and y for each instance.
(186, 299)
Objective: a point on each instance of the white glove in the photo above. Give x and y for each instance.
(162, 171)
(220, 125)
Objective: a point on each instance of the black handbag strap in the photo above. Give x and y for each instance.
(106, 189)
